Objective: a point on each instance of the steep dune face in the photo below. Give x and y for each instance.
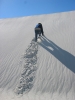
(56, 69)
(53, 67)
(56, 60)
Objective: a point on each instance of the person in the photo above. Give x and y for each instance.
(38, 30)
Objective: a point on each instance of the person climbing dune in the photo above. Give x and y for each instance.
(38, 30)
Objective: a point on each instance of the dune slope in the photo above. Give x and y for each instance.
(43, 70)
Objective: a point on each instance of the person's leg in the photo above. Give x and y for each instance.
(39, 32)
(35, 36)
(36, 33)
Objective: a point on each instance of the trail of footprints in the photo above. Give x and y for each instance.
(30, 67)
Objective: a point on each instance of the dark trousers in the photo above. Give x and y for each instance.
(37, 32)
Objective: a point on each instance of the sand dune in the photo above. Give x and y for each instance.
(43, 70)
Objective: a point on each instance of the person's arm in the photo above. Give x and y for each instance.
(42, 30)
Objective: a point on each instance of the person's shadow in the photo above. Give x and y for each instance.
(63, 56)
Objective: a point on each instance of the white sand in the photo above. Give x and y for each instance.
(38, 71)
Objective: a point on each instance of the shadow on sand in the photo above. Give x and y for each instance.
(63, 56)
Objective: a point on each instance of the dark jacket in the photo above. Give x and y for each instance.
(39, 25)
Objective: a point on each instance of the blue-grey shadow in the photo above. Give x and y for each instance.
(63, 56)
